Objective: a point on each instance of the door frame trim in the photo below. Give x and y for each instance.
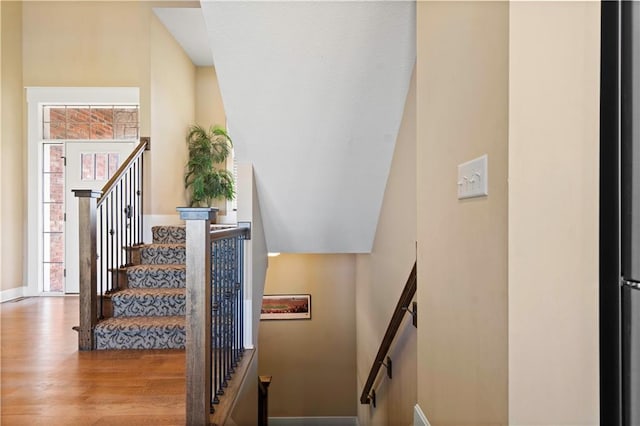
(36, 96)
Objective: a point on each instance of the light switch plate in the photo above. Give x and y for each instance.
(473, 178)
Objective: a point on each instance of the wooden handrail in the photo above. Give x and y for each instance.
(396, 319)
(111, 183)
(218, 234)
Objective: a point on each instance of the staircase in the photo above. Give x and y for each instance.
(149, 312)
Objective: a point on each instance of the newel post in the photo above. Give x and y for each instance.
(198, 312)
(87, 202)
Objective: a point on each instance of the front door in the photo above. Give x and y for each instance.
(90, 164)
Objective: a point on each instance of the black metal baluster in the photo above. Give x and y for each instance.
(216, 322)
(230, 318)
(125, 223)
(140, 194)
(117, 233)
(120, 227)
(230, 287)
(220, 290)
(136, 201)
(121, 221)
(234, 350)
(130, 214)
(114, 229)
(220, 283)
(139, 201)
(104, 241)
(240, 294)
(241, 272)
(239, 300)
(214, 308)
(134, 205)
(225, 361)
(219, 319)
(130, 227)
(100, 260)
(232, 284)
(111, 241)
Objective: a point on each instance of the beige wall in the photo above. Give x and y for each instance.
(209, 106)
(553, 212)
(116, 44)
(89, 44)
(121, 44)
(173, 89)
(380, 278)
(462, 113)
(12, 150)
(312, 362)
(210, 111)
(245, 410)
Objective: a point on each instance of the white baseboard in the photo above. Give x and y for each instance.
(313, 421)
(12, 293)
(419, 419)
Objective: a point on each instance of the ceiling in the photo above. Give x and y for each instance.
(188, 28)
(314, 93)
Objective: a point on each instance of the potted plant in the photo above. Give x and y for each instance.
(203, 180)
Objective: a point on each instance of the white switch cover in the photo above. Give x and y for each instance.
(473, 178)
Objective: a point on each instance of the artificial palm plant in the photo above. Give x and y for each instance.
(205, 181)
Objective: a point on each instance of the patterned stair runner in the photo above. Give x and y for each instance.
(149, 313)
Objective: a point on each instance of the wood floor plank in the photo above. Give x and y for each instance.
(46, 381)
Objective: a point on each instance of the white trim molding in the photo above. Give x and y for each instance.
(36, 96)
(84, 95)
(419, 419)
(313, 421)
(11, 294)
(248, 311)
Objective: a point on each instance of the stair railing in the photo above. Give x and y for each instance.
(214, 309)
(368, 395)
(110, 223)
(263, 400)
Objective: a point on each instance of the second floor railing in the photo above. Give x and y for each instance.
(227, 307)
(215, 313)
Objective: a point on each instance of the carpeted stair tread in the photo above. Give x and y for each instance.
(149, 313)
(156, 276)
(138, 302)
(166, 332)
(177, 233)
(169, 234)
(174, 253)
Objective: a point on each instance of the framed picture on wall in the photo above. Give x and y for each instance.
(286, 306)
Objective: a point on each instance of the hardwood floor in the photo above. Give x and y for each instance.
(45, 380)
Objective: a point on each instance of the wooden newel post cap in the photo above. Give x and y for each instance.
(265, 380)
(197, 213)
(86, 193)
